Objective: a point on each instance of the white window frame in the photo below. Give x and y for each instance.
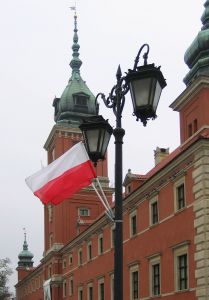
(80, 257)
(64, 264)
(131, 216)
(89, 286)
(71, 286)
(64, 288)
(179, 251)
(177, 184)
(100, 282)
(152, 262)
(151, 202)
(83, 209)
(133, 269)
(80, 289)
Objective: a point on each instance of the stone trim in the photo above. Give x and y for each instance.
(201, 222)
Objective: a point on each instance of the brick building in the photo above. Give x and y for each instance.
(165, 212)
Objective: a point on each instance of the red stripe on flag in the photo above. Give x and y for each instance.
(64, 186)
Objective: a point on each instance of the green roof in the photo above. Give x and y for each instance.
(77, 101)
(197, 55)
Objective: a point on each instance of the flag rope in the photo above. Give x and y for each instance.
(106, 205)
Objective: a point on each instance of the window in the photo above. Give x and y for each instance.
(154, 218)
(133, 224)
(182, 272)
(181, 267)
(180, 196)
(195, 125)
(81, 103)
(129, 189)
(80, 293)
(156, 279)
(71, 286)
(134, 283)
(90, 291)
(64, 288)
(80, 100)
(189, 130)
(64, 264)
(84, 212)
(155, 212)
(80, 257)
(89, 251)
(101, 290)
(100, 244)
(70, 259)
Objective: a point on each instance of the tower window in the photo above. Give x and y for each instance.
(189, 130)
(80, 100)
(84, 212)
(195, 125)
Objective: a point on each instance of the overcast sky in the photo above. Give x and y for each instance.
(35, 51)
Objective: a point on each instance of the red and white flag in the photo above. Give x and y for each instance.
(63, 177)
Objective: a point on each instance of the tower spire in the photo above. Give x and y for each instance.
(77, 101)
(197, 55)
(25, 256)
(25, 245)
(75, 62)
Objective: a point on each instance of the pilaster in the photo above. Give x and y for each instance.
(201, 222)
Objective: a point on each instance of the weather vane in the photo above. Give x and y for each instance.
(74, 7)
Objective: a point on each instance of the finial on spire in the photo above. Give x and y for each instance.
(24, 233)
(74, 8)
(25, 245)
(75, 62)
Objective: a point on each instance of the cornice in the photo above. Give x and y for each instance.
(168, 173)
(57, 129)
(34, 272)
(198, 84)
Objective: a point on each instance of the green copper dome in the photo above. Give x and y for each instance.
(77, 101)
(197, 55)
(25, 256)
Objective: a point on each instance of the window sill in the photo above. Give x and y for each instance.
(154, 225)
(133, 236)
(180, 210)
(182, 291)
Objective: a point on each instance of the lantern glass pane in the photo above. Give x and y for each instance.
(140, 91)
(158, 91)
(106, 139)
(92, 137)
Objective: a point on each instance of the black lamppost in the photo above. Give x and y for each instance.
(145, 84)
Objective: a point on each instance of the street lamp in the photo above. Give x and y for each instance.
(145, 84)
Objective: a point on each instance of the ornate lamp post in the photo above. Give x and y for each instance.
(145, 84)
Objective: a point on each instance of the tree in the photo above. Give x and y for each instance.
(5, 272)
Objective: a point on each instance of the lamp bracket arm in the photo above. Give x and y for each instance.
(145, 56)
(106, 101)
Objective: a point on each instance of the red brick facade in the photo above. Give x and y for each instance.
(165, 223)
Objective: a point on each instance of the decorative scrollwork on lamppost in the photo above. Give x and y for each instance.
(145, 84)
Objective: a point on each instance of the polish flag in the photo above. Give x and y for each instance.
(63, 177)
